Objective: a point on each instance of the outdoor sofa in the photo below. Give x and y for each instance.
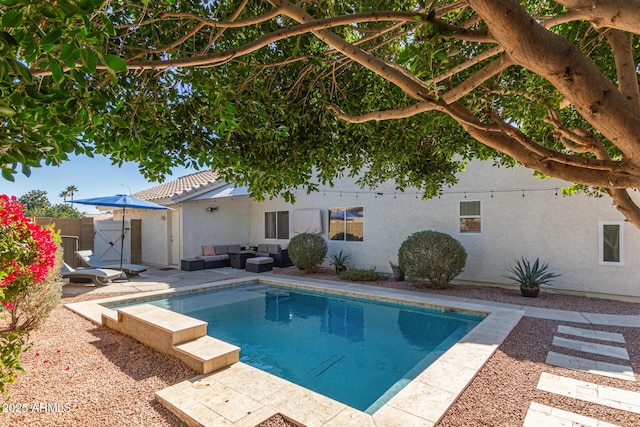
(217, 256)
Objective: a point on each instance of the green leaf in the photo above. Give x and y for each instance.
(89, 60)
(7, 111)
(56, 71)
(115, 62)
(8, 175)
(8, 38)
(52, 37)
(12, 19)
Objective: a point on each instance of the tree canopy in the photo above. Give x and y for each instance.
(36, 203)
(270, 92)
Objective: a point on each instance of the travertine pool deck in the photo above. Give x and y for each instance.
(241, 395)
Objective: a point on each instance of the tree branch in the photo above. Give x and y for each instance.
(625, 65)
(400, 113)
(225, 56)
(509, 140)
(625, 204)
(462, 33)
(493, 68)
(620, 14)
(563, 65)
(470, 63)
(580, 140)
(396, 75)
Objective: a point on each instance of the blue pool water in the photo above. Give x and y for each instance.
(359, 352)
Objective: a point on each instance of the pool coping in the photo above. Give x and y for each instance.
(241, 395)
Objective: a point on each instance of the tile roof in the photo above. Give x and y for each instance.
(180, 187)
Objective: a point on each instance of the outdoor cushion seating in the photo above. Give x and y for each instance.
(280, 256)
(259, 264)
(99, 276)
(88, 259)
(216, 256)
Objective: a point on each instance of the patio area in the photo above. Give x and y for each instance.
(520, 383)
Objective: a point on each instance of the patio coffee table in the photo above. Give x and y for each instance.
(239, 259)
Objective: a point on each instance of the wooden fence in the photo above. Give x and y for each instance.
(78, 234)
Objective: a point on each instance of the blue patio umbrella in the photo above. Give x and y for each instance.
(121, 201)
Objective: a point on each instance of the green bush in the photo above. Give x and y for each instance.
(307, 251)
(433, 256)
(357, 275)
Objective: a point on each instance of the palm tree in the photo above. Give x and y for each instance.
(64, 194)
(71, 189)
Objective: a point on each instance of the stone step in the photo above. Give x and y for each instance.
(540, 415)
(590, 347)
(612, 370)
(156, 327)
(611, 397)
(592, 334)
(207, 354)
(175, 334)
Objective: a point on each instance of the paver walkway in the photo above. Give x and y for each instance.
(543, 415)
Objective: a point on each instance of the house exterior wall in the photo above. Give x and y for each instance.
(563, 231)
(155, 236)
(226, 225)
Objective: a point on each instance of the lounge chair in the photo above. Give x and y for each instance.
(88, 259)
(99, 276)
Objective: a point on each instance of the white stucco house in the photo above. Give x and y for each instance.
(498, 214)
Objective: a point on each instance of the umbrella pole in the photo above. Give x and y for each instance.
(123, 276)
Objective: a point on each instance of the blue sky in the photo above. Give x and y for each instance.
(93, 176)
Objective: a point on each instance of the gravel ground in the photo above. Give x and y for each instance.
(79, 374)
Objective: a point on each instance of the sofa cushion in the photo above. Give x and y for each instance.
(274, 249)
(234, 248)
(208, 250)
(213, 257)
(263, 248)
(260, 260)
(221, 249)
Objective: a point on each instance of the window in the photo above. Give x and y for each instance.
(276, 225)
(346, 224)
(611, 243)
(470, 214)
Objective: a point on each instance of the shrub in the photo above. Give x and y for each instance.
(29, 283)
(357, 275)
(307, 251)
(433, 256)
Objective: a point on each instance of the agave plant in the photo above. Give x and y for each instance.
(531, 275)
(340, 261)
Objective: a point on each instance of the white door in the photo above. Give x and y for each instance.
(174, 237)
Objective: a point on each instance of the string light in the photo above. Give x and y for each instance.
(464, 193)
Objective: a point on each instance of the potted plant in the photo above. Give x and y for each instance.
(398, 274)
(340, 261)
(530, 276)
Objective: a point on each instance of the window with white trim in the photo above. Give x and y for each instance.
(276, 225)
(470, 217)
(611, 242)
(346, 224)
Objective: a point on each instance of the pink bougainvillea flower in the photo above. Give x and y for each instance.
(7, 305)
(37, 354)
(58, 351)
(67, 368)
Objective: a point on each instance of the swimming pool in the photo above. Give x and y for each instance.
(354, 350)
